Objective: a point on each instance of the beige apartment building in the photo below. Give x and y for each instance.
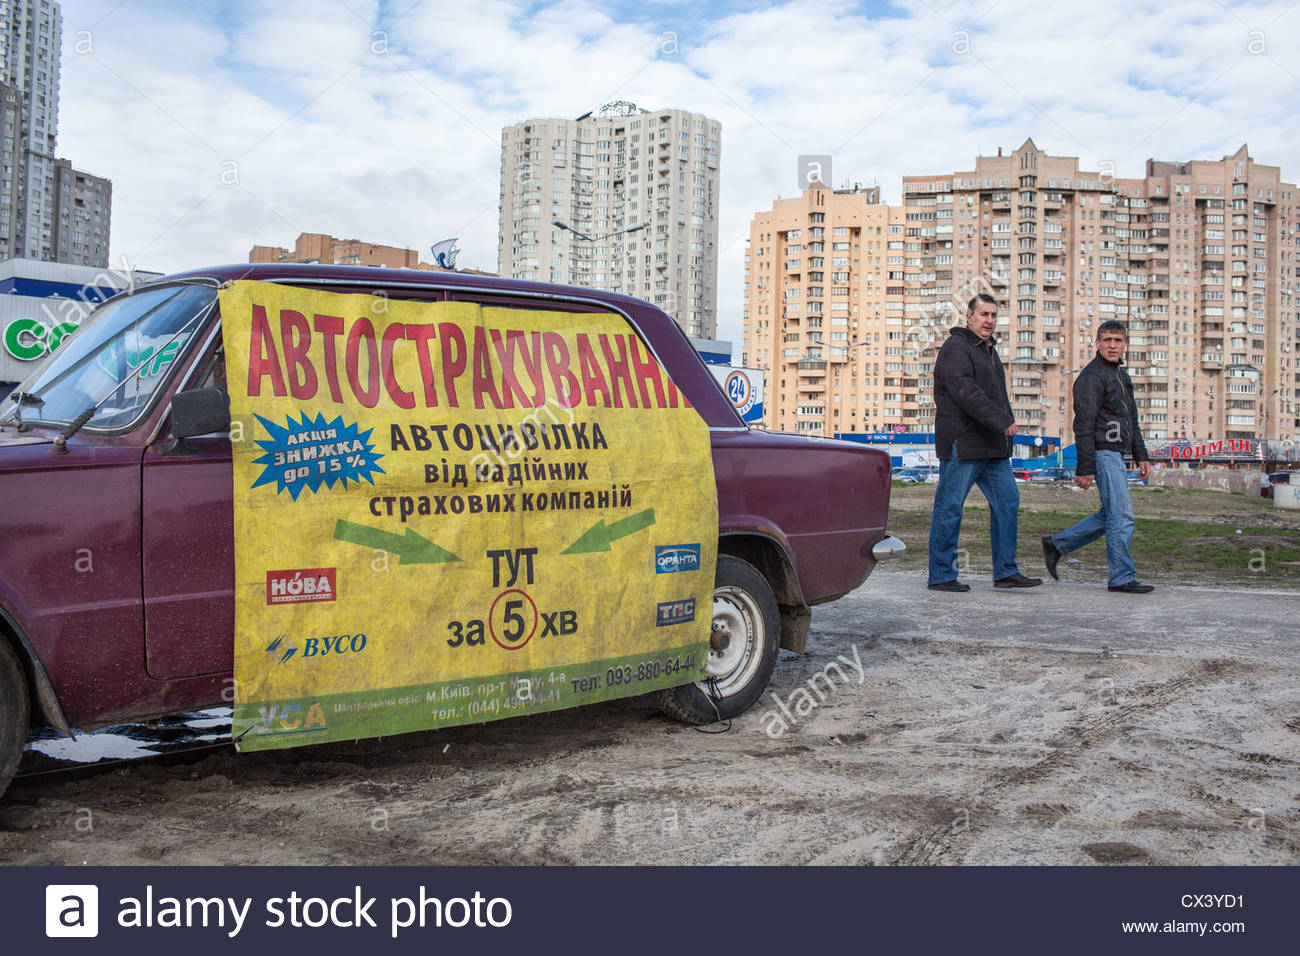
(638, 191)
(820, 315)
(317, 247)
(1199, 259)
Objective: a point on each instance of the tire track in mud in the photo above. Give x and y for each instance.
(943, 843)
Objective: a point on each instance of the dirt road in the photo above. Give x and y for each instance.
(1060, 725)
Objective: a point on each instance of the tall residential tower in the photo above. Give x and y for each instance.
(638, 193)
(48, 210)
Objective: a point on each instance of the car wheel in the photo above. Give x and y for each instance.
(744, 641)
(13, 713)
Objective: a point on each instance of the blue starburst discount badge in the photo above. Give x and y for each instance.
(310, 452)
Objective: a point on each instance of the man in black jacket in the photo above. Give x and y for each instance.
(973, 426)
(1105, 430)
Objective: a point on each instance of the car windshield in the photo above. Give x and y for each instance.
(144, 333)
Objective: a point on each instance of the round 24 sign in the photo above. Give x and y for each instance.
(744, 389)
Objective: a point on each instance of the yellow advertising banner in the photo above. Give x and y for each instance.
(449, 513)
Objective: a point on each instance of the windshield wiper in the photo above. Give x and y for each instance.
(20, 399)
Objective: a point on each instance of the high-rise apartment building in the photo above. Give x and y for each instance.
(820, 314)
(82, 205)
(1199, 259)
(34, 223)
(639, 193)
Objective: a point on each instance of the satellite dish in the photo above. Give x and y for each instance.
(444, 254)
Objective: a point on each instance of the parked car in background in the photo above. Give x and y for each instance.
(126, 430)
(1052, 474)
(918, 474)
(1022, 474)
(1269, 482)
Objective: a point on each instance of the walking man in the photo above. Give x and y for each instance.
(1105, 430)
(973, 427)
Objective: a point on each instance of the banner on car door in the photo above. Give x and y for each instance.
(449, 513)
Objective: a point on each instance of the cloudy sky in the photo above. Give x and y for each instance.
(225, 125)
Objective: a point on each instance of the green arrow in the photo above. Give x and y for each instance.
(599, 535)
(411, 548)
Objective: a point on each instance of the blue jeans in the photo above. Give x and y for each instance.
(1114, 520)
(956, 475)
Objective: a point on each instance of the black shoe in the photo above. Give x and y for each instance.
(1051, 556)
(953, 585)
(1017, 580)
(1132, 587)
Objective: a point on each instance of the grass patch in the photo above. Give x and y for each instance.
(1228, 540)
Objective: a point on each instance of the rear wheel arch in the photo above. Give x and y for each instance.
(770, 557)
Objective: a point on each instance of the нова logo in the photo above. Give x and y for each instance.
(301, 584)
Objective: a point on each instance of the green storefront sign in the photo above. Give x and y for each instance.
(28, 340)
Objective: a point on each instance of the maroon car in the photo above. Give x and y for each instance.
(117, 571)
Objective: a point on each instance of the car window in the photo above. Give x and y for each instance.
(117, 361)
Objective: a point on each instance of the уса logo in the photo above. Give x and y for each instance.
(301, 584)
(675, 612)
(670, 558)
(293, 718)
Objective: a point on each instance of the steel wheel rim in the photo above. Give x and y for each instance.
(737, 616)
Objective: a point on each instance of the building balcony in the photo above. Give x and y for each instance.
(1212, 360)
(812, 366)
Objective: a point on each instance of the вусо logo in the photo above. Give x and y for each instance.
(676, 557)
(301, 584)
(675, 612)
(335, 645)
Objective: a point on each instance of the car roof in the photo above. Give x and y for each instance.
(411, 278)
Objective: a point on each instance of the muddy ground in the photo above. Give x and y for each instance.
(1064, 725)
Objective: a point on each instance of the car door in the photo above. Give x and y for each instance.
(188, 548)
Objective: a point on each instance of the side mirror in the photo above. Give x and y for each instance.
(200, 411)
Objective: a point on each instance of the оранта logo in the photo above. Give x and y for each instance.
(675, 612)
(301, 584)
(71, 909)
(670, 558)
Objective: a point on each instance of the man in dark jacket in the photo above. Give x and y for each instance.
(973, 426)
(1105, 430)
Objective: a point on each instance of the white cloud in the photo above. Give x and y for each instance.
(401, 146)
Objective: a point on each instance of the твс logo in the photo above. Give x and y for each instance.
(301, 584)
(676, 557)
(675, 612)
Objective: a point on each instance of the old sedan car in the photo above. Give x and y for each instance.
(117, 579)
(1271, 480)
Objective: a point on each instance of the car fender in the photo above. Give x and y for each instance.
(47, 704)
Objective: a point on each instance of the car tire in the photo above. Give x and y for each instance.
(747, 626)
(14, 713)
